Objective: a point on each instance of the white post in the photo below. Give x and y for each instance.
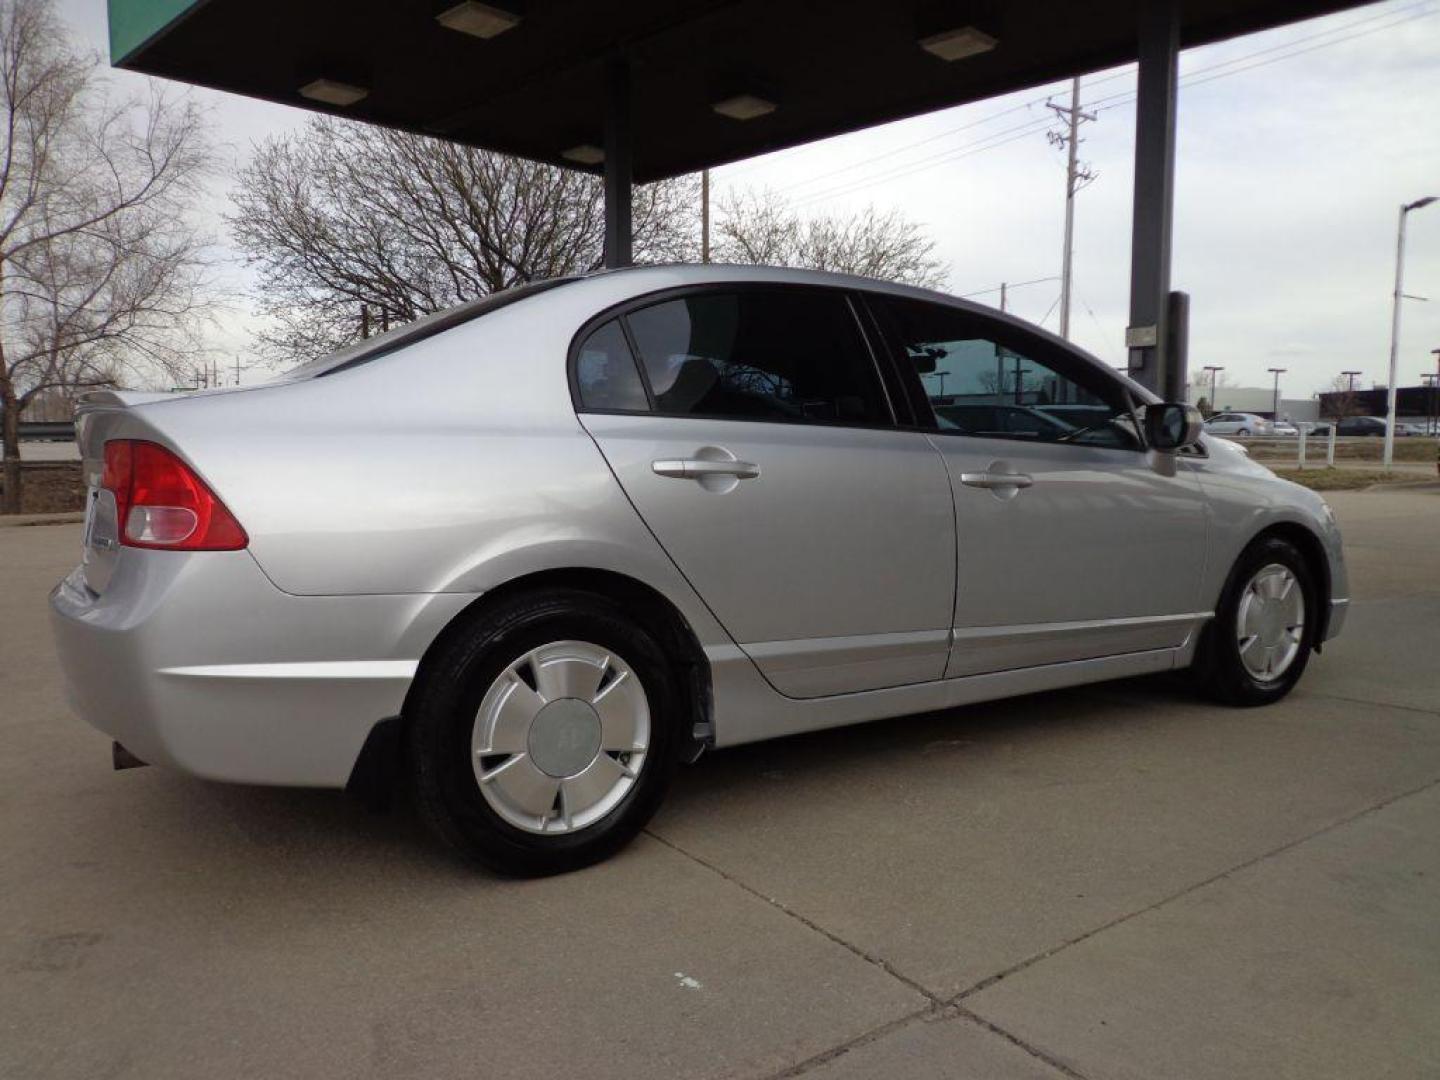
(1302, 448)
(1330, 448)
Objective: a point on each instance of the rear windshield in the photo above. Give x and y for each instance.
(363, 352)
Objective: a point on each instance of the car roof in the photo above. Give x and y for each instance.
(615, 286)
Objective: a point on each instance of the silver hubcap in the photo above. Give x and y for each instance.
(1270, 623)
(560, 737)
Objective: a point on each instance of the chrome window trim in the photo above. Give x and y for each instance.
(1010, 326)
(676, 292)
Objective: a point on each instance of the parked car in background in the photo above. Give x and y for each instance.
(1284, 428)
(1237, 423)
(535, 551)
(1358, 425)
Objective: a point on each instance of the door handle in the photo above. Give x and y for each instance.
(699, 468)
(996, 480)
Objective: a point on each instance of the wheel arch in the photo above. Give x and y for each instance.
(1313, 551)
(652, 609)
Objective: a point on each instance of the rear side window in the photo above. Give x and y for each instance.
(791, 354)
(605, 372)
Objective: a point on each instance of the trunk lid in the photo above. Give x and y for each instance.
(103, 415)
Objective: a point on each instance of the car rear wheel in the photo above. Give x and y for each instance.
(543, 734)
(1257, 645)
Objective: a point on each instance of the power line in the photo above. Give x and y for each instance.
(1048, 310)
(1024, 106)
(991, 142)
(1099, 104)
(1007, 285)
(1120, 73)
(1189, 80)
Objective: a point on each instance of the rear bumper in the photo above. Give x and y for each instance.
(197, 662)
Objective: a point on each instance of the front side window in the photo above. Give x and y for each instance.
(983, 378)
(785, 354)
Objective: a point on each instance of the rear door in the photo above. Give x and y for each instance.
(1074, 542)
(753, 431)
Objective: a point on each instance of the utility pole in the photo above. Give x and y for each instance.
(1002, 300)
(1077, 175)
(237, 369)
(1275, 406)
(705, 215)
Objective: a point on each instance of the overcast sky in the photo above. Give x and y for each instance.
(1296, 149)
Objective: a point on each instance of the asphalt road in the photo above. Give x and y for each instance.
(1117, 881)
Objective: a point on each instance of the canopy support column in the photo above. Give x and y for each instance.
(1155, 361)
(619, 147)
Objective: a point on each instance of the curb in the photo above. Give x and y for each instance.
(12, 521)
(1403, 485)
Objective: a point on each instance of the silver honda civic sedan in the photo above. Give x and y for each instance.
(535, 551)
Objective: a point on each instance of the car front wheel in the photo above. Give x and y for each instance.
(1257, 645)
(542, 736)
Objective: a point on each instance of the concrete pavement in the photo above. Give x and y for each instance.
(1118, 881)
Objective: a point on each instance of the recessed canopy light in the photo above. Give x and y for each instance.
(584, 154)
(744, 107)
(478, 20)
(332, 92)
(958, 44)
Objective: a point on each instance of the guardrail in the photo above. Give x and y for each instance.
(47, 430)
(1311, 450)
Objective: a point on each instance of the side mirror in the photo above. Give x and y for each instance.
(1170, 426)
(926, 360)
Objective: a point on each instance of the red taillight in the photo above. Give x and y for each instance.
(161, 503)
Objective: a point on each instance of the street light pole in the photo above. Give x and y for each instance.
(1434, 386)
(1431, 381)
(1390, 396)
(1213, 370)
(1275, 404)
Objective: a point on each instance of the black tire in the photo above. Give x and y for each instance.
(1218, 671)
(1243, 432)
(441, 714)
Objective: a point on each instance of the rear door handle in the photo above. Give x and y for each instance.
(698, 468)
(996, 480)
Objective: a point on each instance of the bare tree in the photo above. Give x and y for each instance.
(763, 228)
(1340, 401)
(343, 219)
(101, 272)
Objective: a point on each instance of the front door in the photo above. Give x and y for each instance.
(1074, 541)
(756, 440)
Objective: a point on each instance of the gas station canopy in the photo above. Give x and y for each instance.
(710, 82)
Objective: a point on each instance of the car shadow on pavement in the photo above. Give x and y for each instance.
(970, 729)
(288, 832)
